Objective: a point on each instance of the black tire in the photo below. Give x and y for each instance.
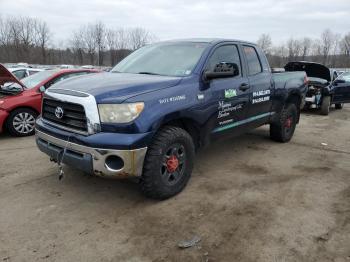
(21, 122)
(338, 106)
(283, 129)
(157, 180)
(326, 104)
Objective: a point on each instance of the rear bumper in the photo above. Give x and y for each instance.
(3, 115)
(98, 161)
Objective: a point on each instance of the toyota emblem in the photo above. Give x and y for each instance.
(59, 112)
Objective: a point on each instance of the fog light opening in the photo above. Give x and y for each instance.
(114, 163)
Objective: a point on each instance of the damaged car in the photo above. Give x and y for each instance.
(20, 100)
(324, 88)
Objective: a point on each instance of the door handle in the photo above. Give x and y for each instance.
(244, 87)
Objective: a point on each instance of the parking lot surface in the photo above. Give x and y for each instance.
(249, 199)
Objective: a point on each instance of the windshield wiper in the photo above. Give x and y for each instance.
(148, 73)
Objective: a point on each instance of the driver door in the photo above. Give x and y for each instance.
(225, 97)
(342, 89)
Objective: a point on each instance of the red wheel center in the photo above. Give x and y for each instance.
(289, 122)
(172, 164)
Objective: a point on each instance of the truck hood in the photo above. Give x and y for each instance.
(6, 77)
(116, 87)
(311, 69)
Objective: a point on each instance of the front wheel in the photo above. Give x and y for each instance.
(21, 122)
(168, 163)
(326, 104)
(283, 129)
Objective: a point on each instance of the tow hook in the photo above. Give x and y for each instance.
(60, 160)
(60, 172)
(60, 168)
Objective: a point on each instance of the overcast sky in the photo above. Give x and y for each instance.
(170, 19)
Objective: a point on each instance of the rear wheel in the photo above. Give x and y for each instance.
(326, 104)
(338, 106)
(283, 129)
(168, 163)
(21, 122)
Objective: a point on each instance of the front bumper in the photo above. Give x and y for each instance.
(314, 100)
(98, 161)
(3, 115)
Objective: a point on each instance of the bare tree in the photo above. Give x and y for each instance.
(265, 43)
(277, 56)
(111, 38)
(14, 35)
(27, 39)
(345, 45)
(4, 32)
(78, 45)
(306, 46)
(139, 37)
(100, 39)
(43, 37)
(294, 47)
(27, 34)
(5, 40)
(123, 38)
(89, 41)
(327, 43)
(118, 41)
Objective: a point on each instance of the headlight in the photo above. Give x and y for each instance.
(120, 113)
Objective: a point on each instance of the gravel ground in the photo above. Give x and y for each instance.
(249, 199)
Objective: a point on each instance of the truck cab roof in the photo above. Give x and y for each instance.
(210, 40)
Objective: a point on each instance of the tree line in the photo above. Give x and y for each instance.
(26, 39)
(330, 49)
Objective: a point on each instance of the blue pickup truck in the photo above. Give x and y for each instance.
(150, 114)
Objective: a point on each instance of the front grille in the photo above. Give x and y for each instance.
(73, 114)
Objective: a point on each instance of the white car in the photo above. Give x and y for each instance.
(22, 72)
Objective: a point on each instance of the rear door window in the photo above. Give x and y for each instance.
(254, 65)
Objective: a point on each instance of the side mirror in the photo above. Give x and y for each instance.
(42, 89)
(222, 70)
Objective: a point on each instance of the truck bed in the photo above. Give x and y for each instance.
(287, 79)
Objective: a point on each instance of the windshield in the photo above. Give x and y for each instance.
(169, 59)
(33, 80)
(345, 76)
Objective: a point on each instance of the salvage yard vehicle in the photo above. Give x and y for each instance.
(148, 116)
(325, 88)
(340, 88)
(20, 100)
